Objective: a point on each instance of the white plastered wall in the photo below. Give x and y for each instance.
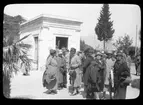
(30, 40)
(46, 42)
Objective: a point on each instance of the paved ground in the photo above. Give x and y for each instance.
(31, 87)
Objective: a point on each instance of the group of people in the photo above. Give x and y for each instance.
(89, 68)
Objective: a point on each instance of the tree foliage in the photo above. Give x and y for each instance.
(103, 29)
(13, 55)
(14, 52)
(123, 43)
(11, 26)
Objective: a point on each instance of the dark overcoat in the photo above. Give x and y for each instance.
(86, 63)
(51, 73)
(121, 72)
(93, 77)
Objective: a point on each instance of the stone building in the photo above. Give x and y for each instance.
(47, 32)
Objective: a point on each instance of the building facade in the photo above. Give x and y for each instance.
(47, 32)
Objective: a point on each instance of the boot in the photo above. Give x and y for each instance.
(77, 90)
(59, 87)
(64, 86)
(48, 92)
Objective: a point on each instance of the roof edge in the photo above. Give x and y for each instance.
(52, 16)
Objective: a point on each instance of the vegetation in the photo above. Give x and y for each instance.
(123, 43)
(103, 29)
(14, 50)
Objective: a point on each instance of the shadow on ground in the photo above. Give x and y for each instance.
(107, 96)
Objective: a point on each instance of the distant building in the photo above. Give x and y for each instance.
(47, 32)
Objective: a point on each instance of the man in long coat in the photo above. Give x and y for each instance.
(137, 64)
(93, 79)
(88, 52)
(51, 73)
(75, 65)
(61, 65)
(66, 67)
(121, 72)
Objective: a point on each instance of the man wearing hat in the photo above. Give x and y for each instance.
(102, 66)
(61, 65)
(121, 73)
(50, 76)
(89, 58)
(137, 64)
(64, 53)
(109, 65)
(74, 72)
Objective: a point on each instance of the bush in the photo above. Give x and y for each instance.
(135, 83)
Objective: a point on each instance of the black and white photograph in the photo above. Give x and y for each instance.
(71, 51)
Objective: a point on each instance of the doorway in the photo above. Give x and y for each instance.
(62, 42)
(36, 51)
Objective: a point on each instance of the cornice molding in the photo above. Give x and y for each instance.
(51, 19)
(55, 25)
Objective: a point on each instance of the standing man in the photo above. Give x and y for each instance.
(65, 56)
(88, 59)
(109, 65)
(121, 72)
(62, 69)
(74, 64)
(102, 66)
(137, 64)
(81, 57)
(50, 76)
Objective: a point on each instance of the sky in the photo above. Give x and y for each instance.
(125, 17)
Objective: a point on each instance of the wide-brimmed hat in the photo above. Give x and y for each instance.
(88, 50)
(73, 50)
(98, 53)
(52, 51)
(119, 54)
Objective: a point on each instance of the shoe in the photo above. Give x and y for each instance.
(54, 92)
(27, 74)
(64, 86)
(48, 92)
(73, 94)
(24, 74)
(77, 92)
(59, 88)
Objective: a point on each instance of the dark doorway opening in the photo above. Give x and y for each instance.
(62, 42)
(36, 51)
